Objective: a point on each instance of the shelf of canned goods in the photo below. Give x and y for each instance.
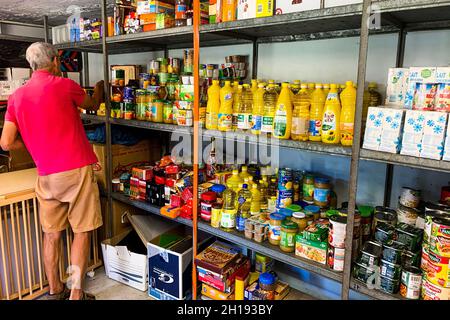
(397, 16)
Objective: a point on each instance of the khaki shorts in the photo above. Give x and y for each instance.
(69, 197)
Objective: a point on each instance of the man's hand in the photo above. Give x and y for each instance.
(93, 103)
(10, 139)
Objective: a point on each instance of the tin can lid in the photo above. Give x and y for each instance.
(266, 278)
(276, 216)
(294, 207)
(321, 180)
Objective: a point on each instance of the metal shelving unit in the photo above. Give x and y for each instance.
(395, 16)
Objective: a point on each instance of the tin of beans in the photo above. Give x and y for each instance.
(384, 232)
(391, 270)
(408, 235)
(389, 285)
(370, 254)
(392, 252)
(411, 283)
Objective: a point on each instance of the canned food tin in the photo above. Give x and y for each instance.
(433, 292)
(383, 214)
(407, 215)
(335, 258)
(363, 273)
(336, 235)
(411, 283)
(410, 259)
(370, 254)
(390, 270)
(410, 197)
(392, 252)
(429, 216)
(442, 208)
(284, 198)
(389, 285)
(436, 268)
(384, 232)
(216, 214)
(285, 179)
(409, 236)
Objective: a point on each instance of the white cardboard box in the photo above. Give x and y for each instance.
(336, 3)
(418, 76)
(392, 130)
(246, 9)
(413, 133)
(446, 156)
(434, 135)
(397, 86)
(443, 91)
(374, 128)
(288, 6)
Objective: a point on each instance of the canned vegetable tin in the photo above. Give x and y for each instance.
(285, 179)
(370, 254)
(411, 283)
(390, 270)
(383, 214)
(363, 273)
(389, 285)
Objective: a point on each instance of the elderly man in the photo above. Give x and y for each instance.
(44, 112)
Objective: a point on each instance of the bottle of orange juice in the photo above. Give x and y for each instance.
(348, 100)
(226, 107)
(213, 106)
(316, 114)
(331, 117)
(282, 121)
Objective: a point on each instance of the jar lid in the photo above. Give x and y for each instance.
(312, 209)
(299, 215)
(208, 196)
(294, 207)
(366, 211)
(266, 278)
(276, 216)
(285, 212)
(289, 225)
(218, 188)
(321, 180)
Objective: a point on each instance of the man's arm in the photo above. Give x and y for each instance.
(93, 103)
(10, 139)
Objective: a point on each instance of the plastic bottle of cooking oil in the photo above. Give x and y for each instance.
(347, 121)
(282, 121)
(255, 207)
(226, 107)
(236, 106)
(213, 106)
(244, 120)
(372, 98)
(258, 109)
(254, 85)
(311, 87)
(244, 173)
(326, 89)
(263, 192)
(316, 114)
(270, 103)
(300, 116)
(331, 117)
(295, 86)
(277, 88)
(243, 205)
(235, 180)
(228, 217)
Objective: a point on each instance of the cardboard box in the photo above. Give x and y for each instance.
(446, 156)
(443, 91)
(420, 78)
(392, 129)
(312, 250)
(413, 133)
(336, 3)
(164, 21)
(434, 135)
(288, 6)
(148, 18)
(170, 268)
(397, 86)
(265, 8)
(246, 9)
(215, 294)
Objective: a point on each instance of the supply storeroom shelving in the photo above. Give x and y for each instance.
(396, 16)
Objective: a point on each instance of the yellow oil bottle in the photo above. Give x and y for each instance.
(318, 99)
(347, 121)
(236, 106)
(244, 120)
(270, 103)
(300, 115)
(258, 109)
(213, 106)
(226, 107)
(282, 121)
(331, 117)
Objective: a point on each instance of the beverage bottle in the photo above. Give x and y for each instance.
(254, 85)
(326, 89)
(258, 109)
(255, 206)
(347, 120)
(244, 119)
(300, 116)
(213, 106)
(243, 204)
(277, 88)
(235, 180)
(226, 107)
(236, 104)
(270, 103)
(316, 113)
(311, 87)
(263, 192)
(283, 114)
(211, 161)
(331, 117)
(228, 217)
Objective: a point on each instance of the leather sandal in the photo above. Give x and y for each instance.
(63, 295)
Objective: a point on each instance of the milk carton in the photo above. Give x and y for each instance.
(392, 130)
(413, 132)
(446, 156)
(421, 88)
(433, 135)
(397, 86)
(443, 90)
(374, 128)
(246, 9)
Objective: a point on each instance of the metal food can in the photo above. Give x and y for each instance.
(429, 216)
(390, 270)
(335, 258)
(411, 283)
(407, 215)
(410, 236)
(370, 254)
(384, 232)
(363, 273)
(383, 214)
(433, 292)
(285, 179)
(216, 215)
(284, 198)
(389, 285)
(410, 197)
(392, 252)
(336, 235)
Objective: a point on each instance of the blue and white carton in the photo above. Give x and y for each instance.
(419, 77)
(392, 130)
(413, 133)
(434, 135)
(397, 86)
(374, 128)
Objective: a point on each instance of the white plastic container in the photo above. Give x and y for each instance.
(61, 34)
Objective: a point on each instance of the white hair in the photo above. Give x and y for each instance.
(40, 55)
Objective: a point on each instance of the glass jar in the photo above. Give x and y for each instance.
(288, 231)
(157, 110)
(207, 200)
(218, 189)
(300, 219)
(168, 113)
(150, 98)
(287, 213)
(308, 187)
(322, 192)
(314, 211)
(275, 228)
(141, 104)
(267, 282)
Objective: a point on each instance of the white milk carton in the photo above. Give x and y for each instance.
(246, 9)
(374, 128)
(421, 88)
(434, 135)
(446, 156)
(392, 130)
(443, 90)
(397, 86)
(413, 133)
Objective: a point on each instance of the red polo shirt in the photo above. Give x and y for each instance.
(45, 112)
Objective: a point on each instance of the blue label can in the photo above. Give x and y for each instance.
(284, 198)
(285, 179)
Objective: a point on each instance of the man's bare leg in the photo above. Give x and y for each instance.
(79, 260)
(52, 241)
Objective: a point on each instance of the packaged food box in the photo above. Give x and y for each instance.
(147, 18)
(419, 91)
(312, 250)
(288, 6)
(264, 8)
(186, 92)
(434, 135)
(215, 294)
(164, 21)
(316, 232)
(446, 155)
(252, 292)
(443, 90)
(143, 173)
(217, 257)
(413, 133)
(161, 7)
(246, 9)
(281, 290)
(374, 128)
(391, 134)
(397, 86)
